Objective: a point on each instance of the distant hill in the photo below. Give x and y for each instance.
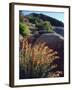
(53, 21)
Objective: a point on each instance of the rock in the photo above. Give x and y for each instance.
(20, 37)
(59, 30)
(54, 41)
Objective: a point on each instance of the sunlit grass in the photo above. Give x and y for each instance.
(36, 61)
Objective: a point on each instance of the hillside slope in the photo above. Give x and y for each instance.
(53, 21)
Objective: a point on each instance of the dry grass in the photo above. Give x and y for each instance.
(36, 61)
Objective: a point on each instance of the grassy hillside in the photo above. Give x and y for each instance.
(33, 17)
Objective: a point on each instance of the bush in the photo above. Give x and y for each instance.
(21, 16)
(24, 29)
(44, 25)
(36, 61)
(47, 26)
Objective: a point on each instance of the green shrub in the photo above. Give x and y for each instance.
(24, 29)
(44, 25)
(47, 26)
(21, 17)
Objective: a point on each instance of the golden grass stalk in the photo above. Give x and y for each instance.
(36, 61)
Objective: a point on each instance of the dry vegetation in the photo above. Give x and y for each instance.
(37, 61)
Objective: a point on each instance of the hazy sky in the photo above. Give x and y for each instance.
(57, 15)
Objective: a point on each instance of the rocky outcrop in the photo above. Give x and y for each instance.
(59, 30)
(54, 41)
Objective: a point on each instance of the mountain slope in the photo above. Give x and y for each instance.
(53, 21)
